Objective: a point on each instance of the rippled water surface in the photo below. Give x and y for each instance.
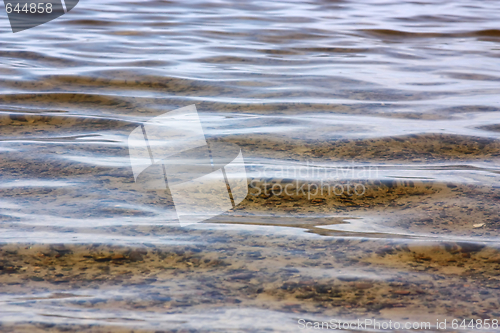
(381, 117)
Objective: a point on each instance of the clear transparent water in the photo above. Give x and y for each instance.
(408, 90)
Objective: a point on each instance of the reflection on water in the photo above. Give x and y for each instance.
(315, 93)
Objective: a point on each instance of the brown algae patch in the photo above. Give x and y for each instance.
(414, 148)
(322, 276)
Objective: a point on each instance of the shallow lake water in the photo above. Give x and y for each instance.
(370, 133)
